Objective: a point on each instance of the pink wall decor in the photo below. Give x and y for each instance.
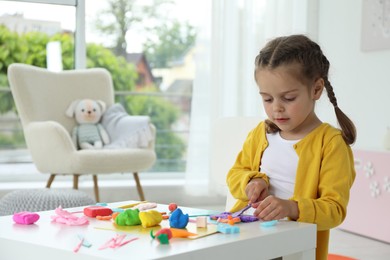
(368, 212)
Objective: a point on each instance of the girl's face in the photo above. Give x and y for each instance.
(288, 102)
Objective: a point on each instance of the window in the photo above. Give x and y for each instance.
(22, 25)
(159, 53)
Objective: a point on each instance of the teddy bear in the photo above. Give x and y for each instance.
(89, 133)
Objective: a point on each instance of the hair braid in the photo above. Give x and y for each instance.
(330, 92)
(347, 127)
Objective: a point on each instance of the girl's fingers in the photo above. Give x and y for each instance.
(269, 209)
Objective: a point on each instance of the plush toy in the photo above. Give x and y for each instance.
(89, 133)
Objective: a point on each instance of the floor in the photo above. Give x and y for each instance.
(346, 243)
(356, 246)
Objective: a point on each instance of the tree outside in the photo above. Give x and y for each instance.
(169, 42)
(165, 39)
(121, 16)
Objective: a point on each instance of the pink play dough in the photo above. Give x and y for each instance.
(25, 217)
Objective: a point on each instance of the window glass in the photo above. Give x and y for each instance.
(31, 33)
(157, 41)
(152, 64)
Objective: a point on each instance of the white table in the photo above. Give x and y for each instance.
(48, 240)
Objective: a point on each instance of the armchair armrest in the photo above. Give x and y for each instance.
(50, 145)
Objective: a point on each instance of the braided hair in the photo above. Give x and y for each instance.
(299, 49)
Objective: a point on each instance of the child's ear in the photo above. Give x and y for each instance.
(318, 88)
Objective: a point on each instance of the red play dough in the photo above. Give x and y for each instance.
(172, 206)
(166, 231)
(93, 211)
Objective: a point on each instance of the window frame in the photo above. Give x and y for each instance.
(80, 55)
(80, 42)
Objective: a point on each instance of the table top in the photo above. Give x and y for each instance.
(54, 240)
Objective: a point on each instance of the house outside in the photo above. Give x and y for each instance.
(17, 23)
(145, 75)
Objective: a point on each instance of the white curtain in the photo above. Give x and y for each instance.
(224, 84)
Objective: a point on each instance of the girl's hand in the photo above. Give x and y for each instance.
(273, 208)
(256, 190)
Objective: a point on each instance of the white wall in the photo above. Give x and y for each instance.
(361, 80)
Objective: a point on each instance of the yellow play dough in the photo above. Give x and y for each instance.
(150, 218)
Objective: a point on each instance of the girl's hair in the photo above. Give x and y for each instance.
(299, 49)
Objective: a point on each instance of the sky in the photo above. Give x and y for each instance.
(184, 10)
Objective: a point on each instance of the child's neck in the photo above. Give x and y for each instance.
(302, 130)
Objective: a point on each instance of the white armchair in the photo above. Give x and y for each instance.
(42, 97)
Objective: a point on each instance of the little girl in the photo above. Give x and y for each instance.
(292, 164)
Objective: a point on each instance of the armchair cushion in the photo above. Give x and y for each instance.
(53, 151)
(126, 131)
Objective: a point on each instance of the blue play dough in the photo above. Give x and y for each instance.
(117, 210)
(178, 219)
(269, 223)
(227, 229)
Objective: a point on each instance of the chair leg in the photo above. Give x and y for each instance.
(76, 181)
(139, 187)
(50, 180)
(96, 188)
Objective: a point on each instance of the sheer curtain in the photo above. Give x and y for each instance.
(229, 40)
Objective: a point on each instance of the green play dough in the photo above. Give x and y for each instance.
(128, 217)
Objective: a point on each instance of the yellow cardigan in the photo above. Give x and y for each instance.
(325, 174)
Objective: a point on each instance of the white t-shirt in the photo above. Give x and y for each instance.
(280, 162)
